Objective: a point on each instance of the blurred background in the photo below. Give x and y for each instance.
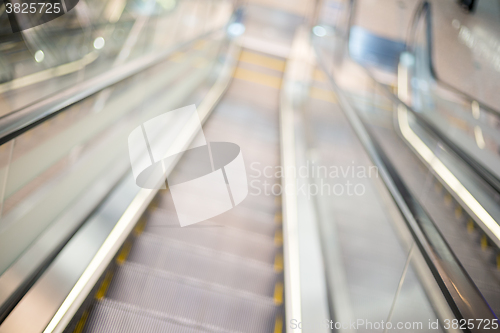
(370, 135)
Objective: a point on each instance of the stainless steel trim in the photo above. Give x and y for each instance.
(305, 281)
(294, 69)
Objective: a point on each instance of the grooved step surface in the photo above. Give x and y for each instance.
(252, 219)
(230, 240)
(109, 316)
(204, 264)
(191, 299)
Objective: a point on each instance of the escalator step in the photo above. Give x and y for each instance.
(191, 299)
(108, 316)
(243, 244)
(204, 264)
(241, 218)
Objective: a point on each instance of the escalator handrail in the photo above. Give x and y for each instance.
(462, 295)
(425, 9)
(486, 177)
(489, 178)
(21, 120)
(15, 124)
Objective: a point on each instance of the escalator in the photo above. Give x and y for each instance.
(344, 222)
(218, 276)
(222, 275)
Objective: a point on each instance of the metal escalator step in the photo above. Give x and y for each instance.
(204, 264)
(204, 303)
(240, 217)
(243, 244)
(108, 316)
(262, 202)
(257, 204)
(255, 213)
(248, 219)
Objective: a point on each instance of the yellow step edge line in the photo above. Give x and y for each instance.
(278, 325)
(200, 44)
(178, 56)
(484, 242)
(458, 212)
(447, 199)
(256, 77)
(122, 257)
(498, 261)
(278, 218)
(278, 293)
(153, 205)
(104, 286)
(81, 323)
(470, 226)
(278, 237)
(319, 76)
(278, 262)
(323, 94)
(139, 228)
(263, 61)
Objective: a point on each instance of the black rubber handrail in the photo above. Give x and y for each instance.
(20, 121)
(490, 178)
